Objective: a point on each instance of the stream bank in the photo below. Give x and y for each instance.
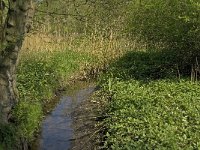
(85, 125)
(71, 124)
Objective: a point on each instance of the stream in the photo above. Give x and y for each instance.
(56, 130)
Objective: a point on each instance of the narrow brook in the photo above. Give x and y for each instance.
(57, 130)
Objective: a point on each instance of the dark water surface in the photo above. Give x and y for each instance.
(57, 131)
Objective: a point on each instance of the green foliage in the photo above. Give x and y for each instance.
(28, 115)
(82, 16)
(172, 24)
(38, 76)
(145, 66)
(148, 107)
(35, 77)
(158, 115)
(7, 137)
(69, 62)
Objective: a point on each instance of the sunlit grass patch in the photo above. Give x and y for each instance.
(39, 74)
(151, 103)
(161, 114)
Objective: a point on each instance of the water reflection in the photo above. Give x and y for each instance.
(56, 132)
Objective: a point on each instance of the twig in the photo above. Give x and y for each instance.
(179, 75)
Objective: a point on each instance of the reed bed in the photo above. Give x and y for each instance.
(102, 49)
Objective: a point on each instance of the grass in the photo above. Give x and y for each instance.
(48, 63)
(39, 74)
(150, 103)
(38, 78)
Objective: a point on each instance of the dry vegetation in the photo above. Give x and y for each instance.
(102, 50)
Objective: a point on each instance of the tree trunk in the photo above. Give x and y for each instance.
(18, 21)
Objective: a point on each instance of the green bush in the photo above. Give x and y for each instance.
(172, 24)
(145, 66)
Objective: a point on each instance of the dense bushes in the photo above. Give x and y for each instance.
(145, 66)
(172, 24)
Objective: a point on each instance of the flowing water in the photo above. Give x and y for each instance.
(57, 130)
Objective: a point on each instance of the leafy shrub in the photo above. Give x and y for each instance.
(158, 115)
(143, 66)
(172, 24)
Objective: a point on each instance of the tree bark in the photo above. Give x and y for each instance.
(19, 17)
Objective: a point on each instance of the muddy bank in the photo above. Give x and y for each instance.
(86, 125)
(71, 121)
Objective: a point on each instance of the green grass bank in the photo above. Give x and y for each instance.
(48, 63)
(39, 75)
(151, 102)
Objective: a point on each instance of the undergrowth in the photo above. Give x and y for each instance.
(39, 75)
(44, 67)
(150, 103)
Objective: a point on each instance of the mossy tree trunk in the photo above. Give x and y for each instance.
(19, 16)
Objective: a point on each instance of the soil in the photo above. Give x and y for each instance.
(85, 125)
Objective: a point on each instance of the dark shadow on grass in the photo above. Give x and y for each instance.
(151, 65)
